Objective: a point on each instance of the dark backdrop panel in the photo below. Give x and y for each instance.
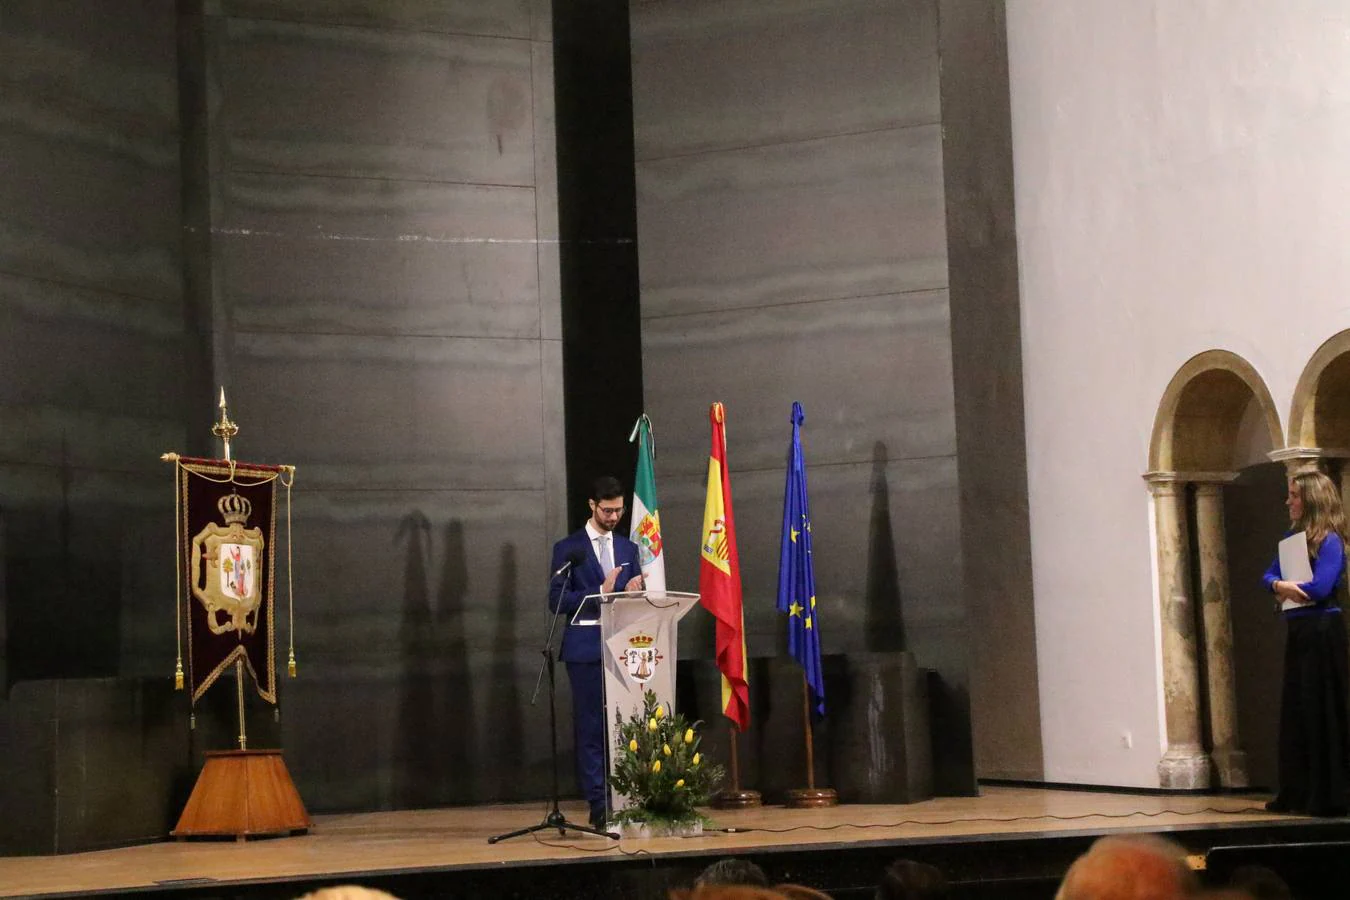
(91, 327)
(987, 380)
(792, 236)
(753, 74)
(378, 257)
(601, 329)
(374, 102)
(841, 216)
(498, 18)
(418, 662)
(865, 369)
(377, 210)
(346, 234)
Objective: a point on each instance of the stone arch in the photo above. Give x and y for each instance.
(1215, 416)
(1319, 415)
(1201, 414)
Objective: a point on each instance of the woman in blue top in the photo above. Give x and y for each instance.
(1314, 754)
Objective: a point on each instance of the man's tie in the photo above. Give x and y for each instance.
(606, 555)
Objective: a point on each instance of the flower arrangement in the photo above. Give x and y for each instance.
(659, 767)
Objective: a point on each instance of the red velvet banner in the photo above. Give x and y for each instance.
(227, 537)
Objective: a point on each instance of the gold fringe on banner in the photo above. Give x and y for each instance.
(290, 580)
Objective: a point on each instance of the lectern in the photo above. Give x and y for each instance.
(639, 636)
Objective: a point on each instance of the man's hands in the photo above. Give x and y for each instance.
(634, 583)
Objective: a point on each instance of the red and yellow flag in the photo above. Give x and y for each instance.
(719, 578)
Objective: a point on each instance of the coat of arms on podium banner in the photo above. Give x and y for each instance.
(641, 657)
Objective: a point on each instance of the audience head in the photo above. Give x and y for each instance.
(732, 871)
(348, 892)
(1129, 867)
(1260, 883)
(800, 892)
(906, 879)
(725, 892)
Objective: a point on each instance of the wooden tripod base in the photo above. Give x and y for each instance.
(811, 798)
(737, 800)
(242, 794)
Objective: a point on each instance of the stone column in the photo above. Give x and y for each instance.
(1185, 765)
(1230, 762)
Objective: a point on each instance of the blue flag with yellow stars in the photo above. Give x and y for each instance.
(796, 572)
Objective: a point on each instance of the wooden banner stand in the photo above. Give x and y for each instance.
(243, 794)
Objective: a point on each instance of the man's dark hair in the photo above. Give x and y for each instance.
(606, 487)
(733, 871)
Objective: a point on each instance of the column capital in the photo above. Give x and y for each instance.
(1158, 478)
(1299, 458)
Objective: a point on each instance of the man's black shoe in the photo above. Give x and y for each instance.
(598, 819)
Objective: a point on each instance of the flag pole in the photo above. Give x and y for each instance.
(734, 797)
(810, 737)
(810, 797)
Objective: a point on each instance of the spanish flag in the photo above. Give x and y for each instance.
(719, 578)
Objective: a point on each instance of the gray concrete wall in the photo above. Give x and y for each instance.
(987, 379)
(381, 183)
(91, 326)
(792, 246)
(347, 214)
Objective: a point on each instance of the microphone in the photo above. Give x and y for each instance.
(572, 559)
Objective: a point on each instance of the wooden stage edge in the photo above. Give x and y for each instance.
(833, 847)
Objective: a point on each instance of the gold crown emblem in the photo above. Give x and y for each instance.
(234, 508)
(641, 640)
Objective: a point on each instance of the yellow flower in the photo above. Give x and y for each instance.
(660, 712)
(697, 757)
(665, 748)
(680, 783)
(651, 724)
(656, 766)
(689, 736)
(632, 745)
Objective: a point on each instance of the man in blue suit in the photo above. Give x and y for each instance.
(601, 562)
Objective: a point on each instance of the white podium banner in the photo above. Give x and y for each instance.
(639, 631)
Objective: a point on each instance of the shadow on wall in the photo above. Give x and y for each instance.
(4, 614)
(506, 737)
(454, 713)
(436, 723)
(412, 766)
(885, 627)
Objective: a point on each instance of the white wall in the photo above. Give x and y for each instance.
(1183, 183)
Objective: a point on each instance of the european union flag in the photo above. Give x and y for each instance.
(796, 571)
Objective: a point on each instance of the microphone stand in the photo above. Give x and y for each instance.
(554, 817)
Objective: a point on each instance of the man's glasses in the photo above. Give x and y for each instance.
(610, 510)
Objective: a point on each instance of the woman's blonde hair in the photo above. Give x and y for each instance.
(1322, 510)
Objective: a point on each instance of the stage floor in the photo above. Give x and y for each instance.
(358, 846)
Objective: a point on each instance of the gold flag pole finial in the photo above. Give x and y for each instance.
(224, 429)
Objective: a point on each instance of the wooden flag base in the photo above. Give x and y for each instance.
(811, 798)
(243, 794)
(737, 800)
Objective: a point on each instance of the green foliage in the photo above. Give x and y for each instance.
(659, 767)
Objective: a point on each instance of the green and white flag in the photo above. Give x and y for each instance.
(646, 519)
